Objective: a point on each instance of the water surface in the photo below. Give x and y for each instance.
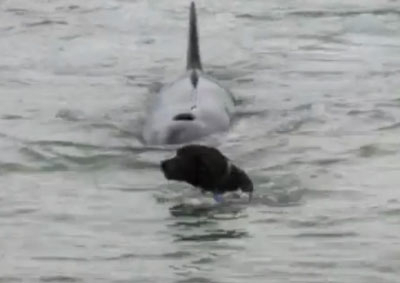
(82, 200)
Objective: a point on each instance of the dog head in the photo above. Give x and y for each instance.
(197, 165)
(206, 168)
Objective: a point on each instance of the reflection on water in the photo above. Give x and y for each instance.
(213, 235)
(202, 227)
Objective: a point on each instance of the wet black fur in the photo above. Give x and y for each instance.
(206, 168)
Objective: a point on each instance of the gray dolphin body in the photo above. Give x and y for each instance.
(191, 107)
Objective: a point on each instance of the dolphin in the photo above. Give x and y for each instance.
(191, 107)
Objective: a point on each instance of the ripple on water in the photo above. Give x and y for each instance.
(344, 14)
(10, 279)
(279, 191)
(212, 235)
(196, 280)
(60, 278)
(324, 235)
(61, 258)
(376, 150)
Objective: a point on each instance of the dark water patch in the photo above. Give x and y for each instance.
(344, 14)
(35, 154)
(60, 258)
(326, 221)
(224, 77)
(196, 280)
(96, 9)
(387, 267)
(372, 150)
(63, 217)
(395, 103)
(179, 254)
(129, 256)
(151, 86)
(139, 164)
(147, 41)
(243, 114)
(385, 74)
(244, 80)
(139, 77)
(12, 117)
(10, 167)
(9, 279)
(204, 260)
(59, 278)
(258, 17)
(316, 264)
(241, 101)
(305, 223)
(69, 8)
(191, 223)
(69, 38)
(276, 167)
(328, 161)
(134, 135)
(5, 29)
(18, 11)
(319, 162)
(16, 81)
(70, 115)
(18, 211)
(374, 114)
(303, 107)
(223, 210)
(213, 235)
(325, 235)
(318, 47)
(290, 126)
(73, 7)
(391, 212)
(46, 23)
(132, 190)
(286, 199)
(314, 74)
(393, 126)
(266, 220)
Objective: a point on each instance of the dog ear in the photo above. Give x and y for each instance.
(211, 167)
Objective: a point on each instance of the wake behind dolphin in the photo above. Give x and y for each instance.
(193, 106)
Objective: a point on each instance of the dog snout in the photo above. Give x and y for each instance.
(168, 168)
(164, 165)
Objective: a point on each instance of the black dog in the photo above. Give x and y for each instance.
(206, 168)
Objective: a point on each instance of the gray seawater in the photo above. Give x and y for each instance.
(82, 200)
